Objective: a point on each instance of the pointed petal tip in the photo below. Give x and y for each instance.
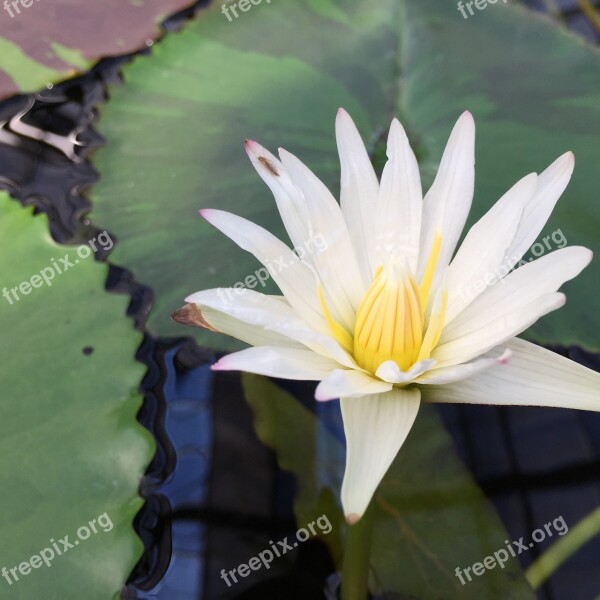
(396, 127)
(223, 364)
(324, 398)
(254, 149)
(209, 214)
(586, 255)
(284, 154)
(321, 397)
(464, 129)
(504, 358)
(251, 148)
(353, 518)
(465, 124)
(563, 165)
(187, 315)
(567, 161)
(342, 112)
(192, 316)
(568, 158)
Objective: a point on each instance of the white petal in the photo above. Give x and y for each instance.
(334, 259)
(501, 328)
(551, 184)
(533, 377)
(459, 372)
(398, 215)
(295, 280)
(359, 190)
(250, 334)
(267, 314)
(447, 203)
(521, 287)
(476, 264)
(288, 198)
(376, 427)
(390, 371)
(349, 383)
(286, 363)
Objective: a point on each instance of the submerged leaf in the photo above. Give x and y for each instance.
(429, 517)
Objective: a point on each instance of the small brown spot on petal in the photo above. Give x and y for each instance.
(263, 160)
(191, 316)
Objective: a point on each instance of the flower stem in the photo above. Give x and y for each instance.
(550, 560)
(357, 550)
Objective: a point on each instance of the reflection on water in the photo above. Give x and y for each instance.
(182, 422)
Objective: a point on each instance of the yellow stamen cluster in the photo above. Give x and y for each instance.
(390, 321)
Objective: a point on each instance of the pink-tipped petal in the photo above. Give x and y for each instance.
(534, 376)
(447, 375)
(376, 427)
(272, 361)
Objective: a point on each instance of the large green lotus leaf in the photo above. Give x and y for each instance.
(278, 73)
(71, 449)
(44, 41)
(535, 92)
(430, 517)
(175, 134)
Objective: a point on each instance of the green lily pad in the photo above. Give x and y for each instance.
(175, 137)
(278, 72)
(71, 451)
(533, 89)
(43, 41)
(430, 517)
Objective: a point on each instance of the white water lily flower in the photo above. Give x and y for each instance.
(382, 311)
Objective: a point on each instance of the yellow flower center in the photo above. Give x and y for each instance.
(390, 321)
